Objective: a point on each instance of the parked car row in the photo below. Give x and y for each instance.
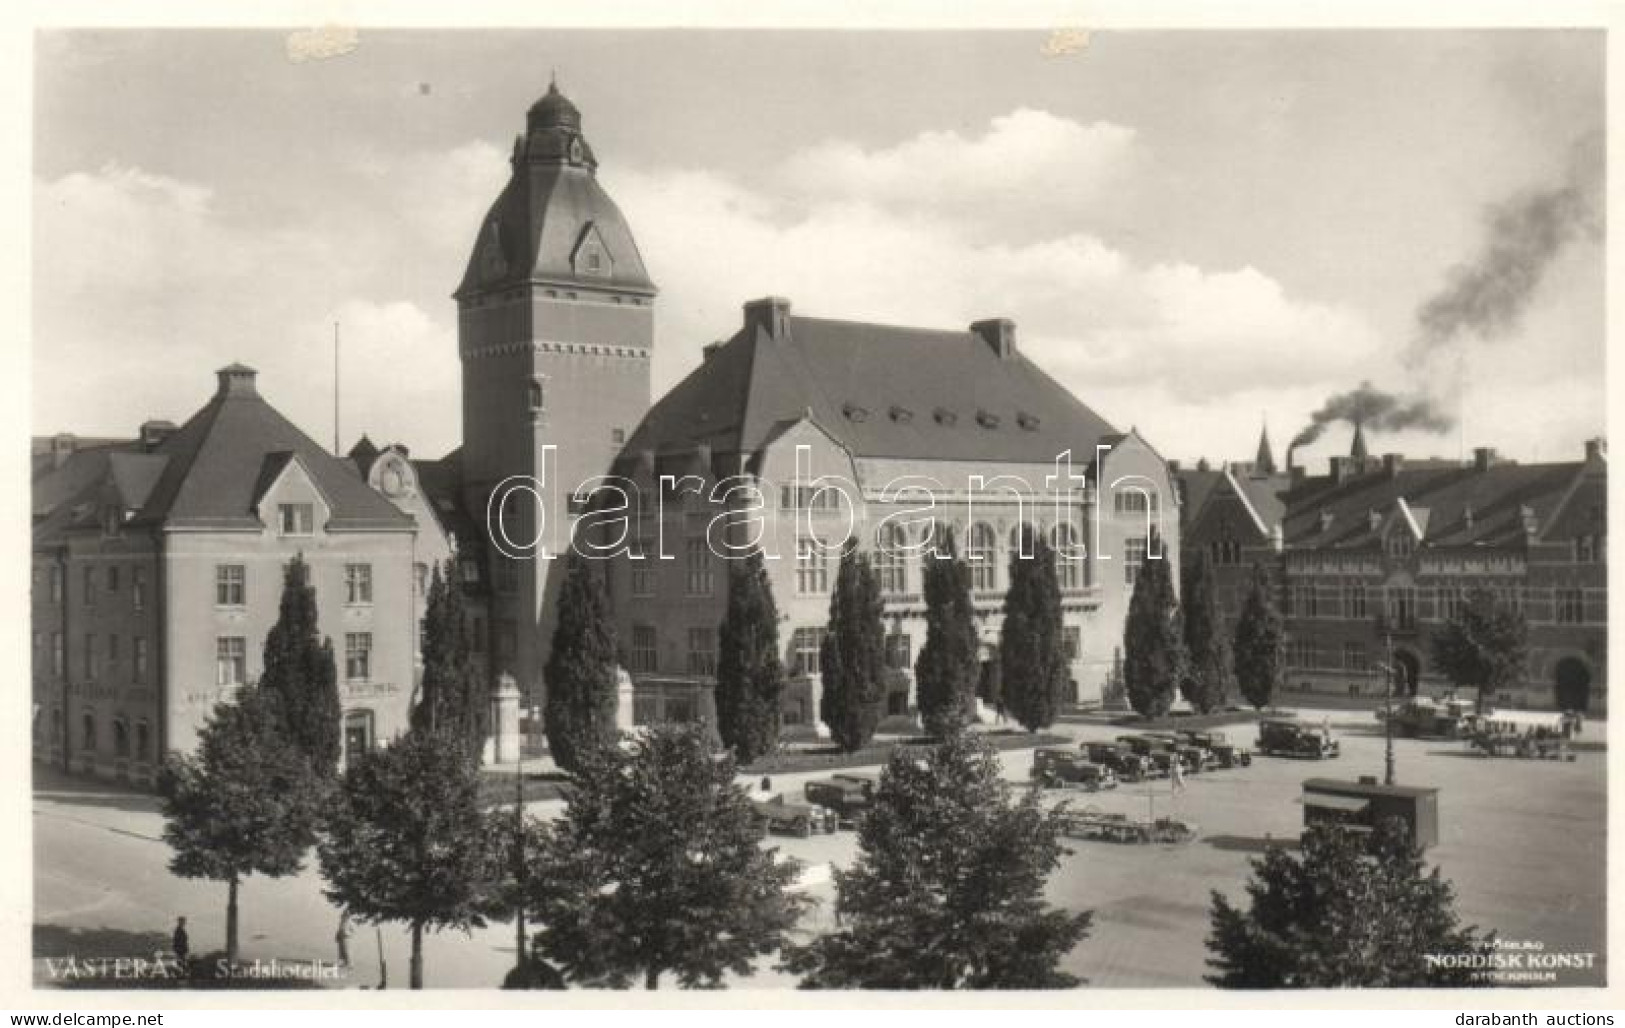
(1134, 758)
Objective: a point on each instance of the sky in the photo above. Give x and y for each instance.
(1195, 231)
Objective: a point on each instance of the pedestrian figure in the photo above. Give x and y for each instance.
(1178, 770)
(767, 783)
(342, 938)
(179, 942)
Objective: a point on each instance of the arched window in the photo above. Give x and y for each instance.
(891, 558)
(358, 735)
(87, 731)
(143, 741)
(942, 540)
(1069, 557)
(1023, 538)
(537, 396)
(979, 553)
(121, 738)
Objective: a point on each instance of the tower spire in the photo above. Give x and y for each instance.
(1358, 450)
(1264, 463)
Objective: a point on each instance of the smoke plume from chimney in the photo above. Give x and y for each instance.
(1376, 410)
(1486, 297)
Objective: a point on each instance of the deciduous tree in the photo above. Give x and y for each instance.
(406, 840)
(657, 869)
(244, 803)
(1484, 647)
(948, 888)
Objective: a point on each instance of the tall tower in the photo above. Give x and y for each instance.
(555, 327)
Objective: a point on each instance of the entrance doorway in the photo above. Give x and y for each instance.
(1408, 673)
(357, 735)
(1573, 681)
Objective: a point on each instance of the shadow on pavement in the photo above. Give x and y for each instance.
(1248, 843)
(88, 943)
(57, 787)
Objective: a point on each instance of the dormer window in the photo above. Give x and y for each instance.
(297, 518)
(1400, 544)
(594, 262)
(945, 416)
(901, 415)
(1028, 422)
(855, 413)
(987, 419)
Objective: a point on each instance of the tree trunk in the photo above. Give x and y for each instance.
(519, 933)
(651, 980)
(416, 981)
(231, 920)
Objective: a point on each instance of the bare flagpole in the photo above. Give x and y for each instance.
(336, 451)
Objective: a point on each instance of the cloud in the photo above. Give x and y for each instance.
(1028, 168)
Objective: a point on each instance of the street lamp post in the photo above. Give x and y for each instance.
(1388, 712)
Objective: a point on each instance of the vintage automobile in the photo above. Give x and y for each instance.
(1055, 768)
(1196, 757)
(846, 800)
(1426, 718)
(1127, 765)
(1225, 753)
(1092, 823)
(800, 819)
(867, 783)
(1284, 737)
(1159, 753)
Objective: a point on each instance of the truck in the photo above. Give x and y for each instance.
(1225, 753)
(1286, 737)
(1056, 768)
(1520, 733)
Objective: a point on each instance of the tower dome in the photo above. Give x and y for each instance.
(554, 110)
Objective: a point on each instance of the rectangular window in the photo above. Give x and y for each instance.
(112, 649)
(358, 584)
(59, 654)
(1354, 658)
(89, 597)
(90, 657)
(1072, 641)
(420, 576)
(230, 585)
(231, 660)
(138, 588)
(697, 580)
(1134, 501)
(805, 647)
(1133, 558)
(1570, 606)
(112, 578)
(140, 659)
(56, 583)
(357, 656)
(899, 651)
(1402, 607)
(812, 567)
(645, 655)
(297, 518)
(643, 569)
(1450, 602)
(1354, 606)
(702, 651)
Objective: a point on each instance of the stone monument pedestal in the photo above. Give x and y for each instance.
(505, 736)
(625, 697)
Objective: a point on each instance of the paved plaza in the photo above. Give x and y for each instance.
(1523, 841)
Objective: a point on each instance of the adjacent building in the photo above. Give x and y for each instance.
(1380, 551)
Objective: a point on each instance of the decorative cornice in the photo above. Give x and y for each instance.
(551, 346)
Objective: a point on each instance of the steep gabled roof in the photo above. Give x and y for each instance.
(216, 460)
(881, 391)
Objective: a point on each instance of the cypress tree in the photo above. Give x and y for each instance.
(1153, 644)
(945, 673)
(750, 673)
(1032, 653)
(451, 698)
(301, 677)
(1260, 653)
(853, 658)
(1208, 678)
(580, 712)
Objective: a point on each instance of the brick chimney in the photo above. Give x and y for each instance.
(1596, 449)
(1483, 458)
(1392, 464)
(236, 380)
(997, 333)
(771, 314)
